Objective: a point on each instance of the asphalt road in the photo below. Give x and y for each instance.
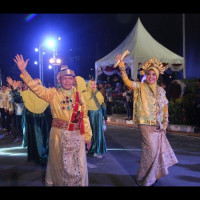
(118, 166)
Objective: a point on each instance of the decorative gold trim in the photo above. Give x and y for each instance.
(152, 62)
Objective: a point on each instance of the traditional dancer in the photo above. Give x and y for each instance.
(150, 111)
(67, 164)
(97, 115)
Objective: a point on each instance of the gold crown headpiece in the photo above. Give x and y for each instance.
(65, 71)
(152, 62)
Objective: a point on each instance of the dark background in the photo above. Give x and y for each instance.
(87, 37)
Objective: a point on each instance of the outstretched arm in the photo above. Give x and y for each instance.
(41, 91)
(125, 78)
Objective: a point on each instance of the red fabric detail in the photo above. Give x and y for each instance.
(176, 65)
(71, 127)
(77, 97)
(77, 116)
(75, 107)
(73, 117)
(81, 124)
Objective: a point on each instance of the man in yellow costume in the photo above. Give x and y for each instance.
(67, 163)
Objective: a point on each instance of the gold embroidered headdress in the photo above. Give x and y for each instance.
(152, 62)
(65, 71)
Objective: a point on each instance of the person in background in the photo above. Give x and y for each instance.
(67, 163)
(80, 84)
(7, 110)
(97, 115)
(150, 112)
(16, 87)
(108, 98)
(102, 90)
(34, 123)
(197, 105)
(128, 95)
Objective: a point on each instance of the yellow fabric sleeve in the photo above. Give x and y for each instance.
(125, 78)
(88, 130)
(44, 93)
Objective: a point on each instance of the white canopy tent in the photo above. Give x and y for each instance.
(141, 46)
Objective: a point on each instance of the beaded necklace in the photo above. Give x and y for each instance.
(67, 102)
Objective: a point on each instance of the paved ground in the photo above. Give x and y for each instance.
(118, 166)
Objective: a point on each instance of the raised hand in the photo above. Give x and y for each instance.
(9, 80)
(19, 60)
(120, 58)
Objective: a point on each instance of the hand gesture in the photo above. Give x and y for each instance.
(88, 144)
(9, 80)
(19, 60)
(119, 60)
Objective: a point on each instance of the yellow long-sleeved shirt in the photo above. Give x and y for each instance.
(55, 97)
(147, 108)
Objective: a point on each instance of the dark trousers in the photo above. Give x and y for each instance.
(109, 107)
(6, 119)
(3, 118)
(19, 131)
(129, 108)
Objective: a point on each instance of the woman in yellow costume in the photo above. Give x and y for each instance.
(34, 122)
(150, 112)
(97, 113)
(67, 164)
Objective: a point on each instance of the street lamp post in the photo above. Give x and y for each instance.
(50, 43)
(55, 62)
(55, 68)
(40, 63)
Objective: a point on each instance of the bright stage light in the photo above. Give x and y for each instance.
(55, 61)
(50, 43)
(58, 61)
(50, 67)
(51, 60)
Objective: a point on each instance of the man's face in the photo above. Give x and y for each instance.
(67, 82)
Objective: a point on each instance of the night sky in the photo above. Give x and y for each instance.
(92, 36)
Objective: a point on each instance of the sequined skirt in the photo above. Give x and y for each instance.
(157, 155)
(67, 164)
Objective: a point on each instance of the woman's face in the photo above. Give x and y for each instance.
(151, 77)
(93, 85)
